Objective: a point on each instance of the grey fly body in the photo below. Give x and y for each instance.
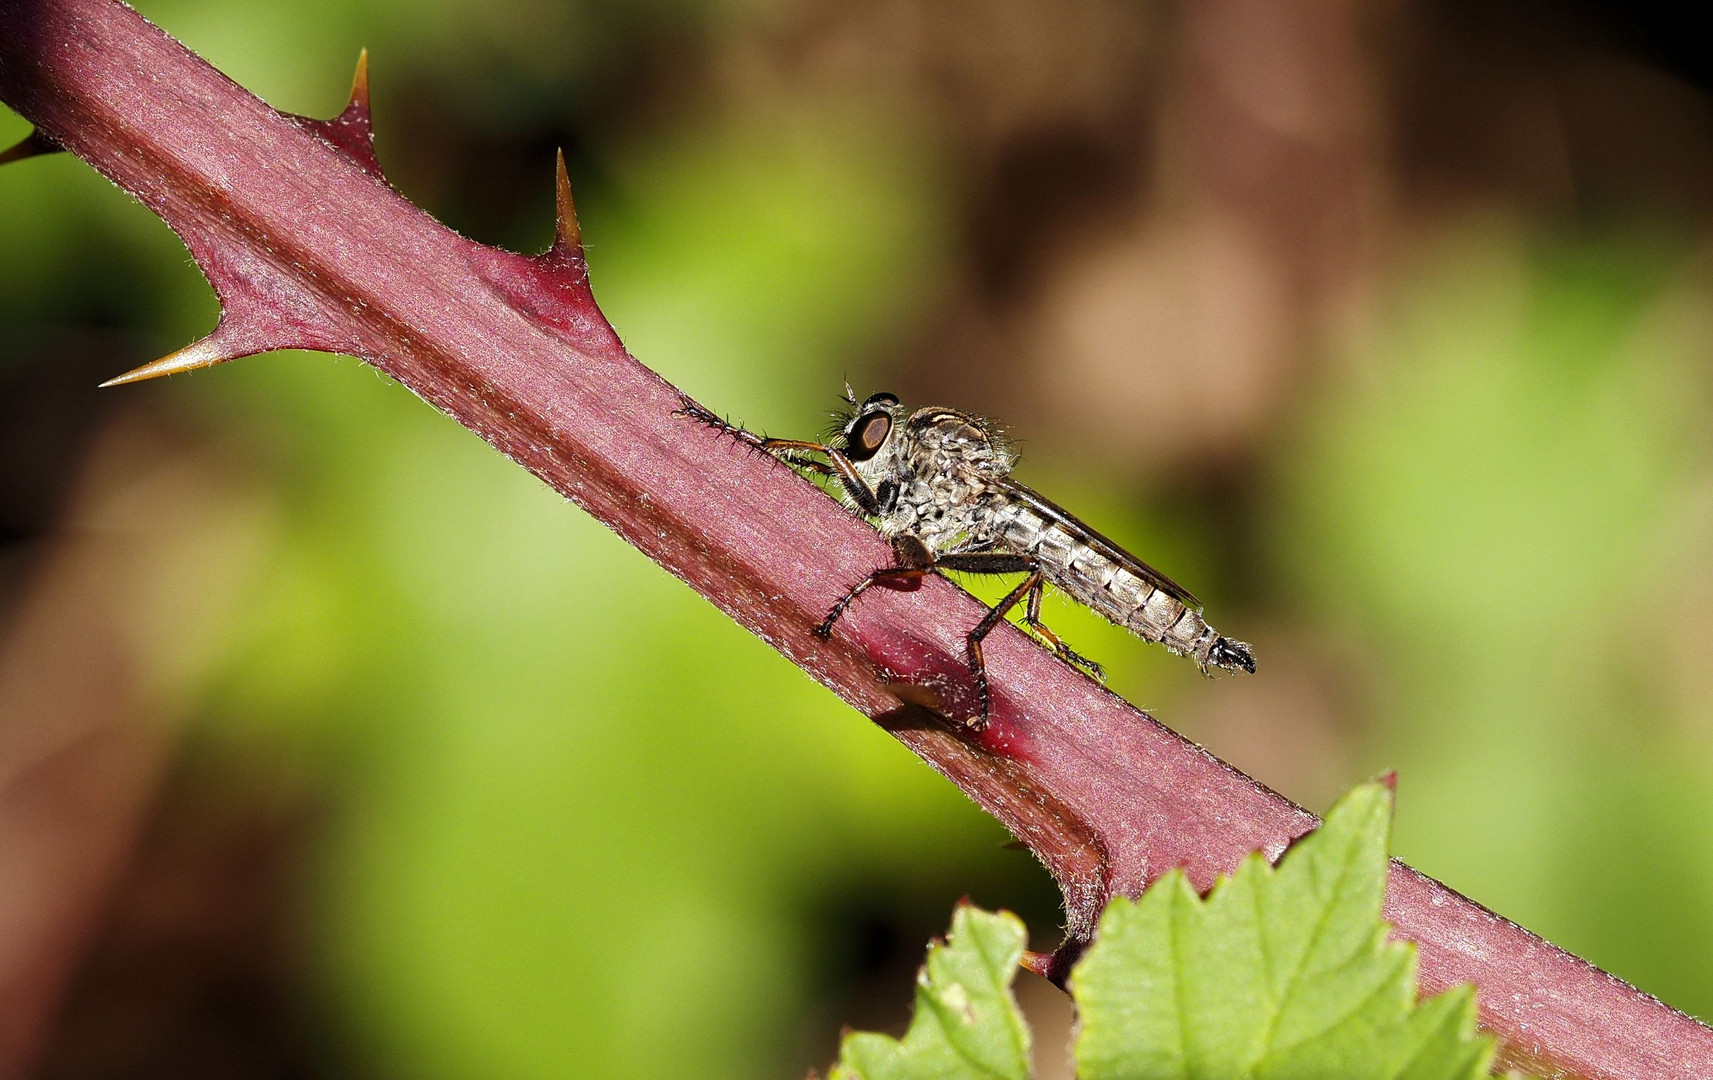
(937, 483)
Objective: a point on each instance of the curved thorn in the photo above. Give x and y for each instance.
(32, 145)
(205, 353)
(568, 235)
(352, 131)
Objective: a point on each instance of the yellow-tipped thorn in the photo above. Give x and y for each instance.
(567, 232)
(204, 353)
(31, 145)
(360, 82)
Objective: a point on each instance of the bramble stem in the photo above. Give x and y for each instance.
(309, 248)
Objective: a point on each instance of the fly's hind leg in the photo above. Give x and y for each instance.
(1032, 619)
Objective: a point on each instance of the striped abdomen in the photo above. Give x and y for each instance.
(1099, 575)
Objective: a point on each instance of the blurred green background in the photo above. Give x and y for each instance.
(1384, 329)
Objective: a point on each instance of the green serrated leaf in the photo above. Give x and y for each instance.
(966, 1025)
(1280, 974)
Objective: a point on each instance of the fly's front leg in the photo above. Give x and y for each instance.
(792, 451)
(837, 464)
(1032, 619)
(688, 407)
(914, 561)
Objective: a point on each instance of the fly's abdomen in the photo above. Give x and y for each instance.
(1110, 588)
(1093, 578)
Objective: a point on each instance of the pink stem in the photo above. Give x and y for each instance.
(308, 247)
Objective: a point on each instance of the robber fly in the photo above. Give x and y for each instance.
(937, 483)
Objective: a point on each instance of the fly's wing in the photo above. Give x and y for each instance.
(1054, 512)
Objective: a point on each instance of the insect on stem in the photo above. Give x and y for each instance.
(937, 483)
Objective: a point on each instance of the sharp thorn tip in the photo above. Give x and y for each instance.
(200, 355)
(567, 233)
(360, 81)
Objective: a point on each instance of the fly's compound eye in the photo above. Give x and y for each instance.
(882, 398)
(867, 435)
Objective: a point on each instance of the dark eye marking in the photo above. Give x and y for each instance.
(882, 398)
(867, 434)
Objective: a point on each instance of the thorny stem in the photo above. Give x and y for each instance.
(308, 247)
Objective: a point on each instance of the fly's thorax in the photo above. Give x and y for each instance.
(946, 511)
(940, 442)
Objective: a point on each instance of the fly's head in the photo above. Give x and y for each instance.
(870, 435)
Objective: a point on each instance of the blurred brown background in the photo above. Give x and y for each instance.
(332, 744)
